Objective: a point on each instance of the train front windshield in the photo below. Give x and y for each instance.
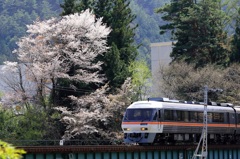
(139, 115)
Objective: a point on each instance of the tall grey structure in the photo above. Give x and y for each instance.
(160, 56)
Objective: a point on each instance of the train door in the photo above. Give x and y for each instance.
(228, 120)
(232, 123)
(159, 118)
(238, 123)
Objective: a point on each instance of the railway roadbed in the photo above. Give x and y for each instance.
(116, 148)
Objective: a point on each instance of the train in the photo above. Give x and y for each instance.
(165, 121)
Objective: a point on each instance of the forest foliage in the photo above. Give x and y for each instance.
(198, 30)
(16, 15)
(183, 81)
(204, 53)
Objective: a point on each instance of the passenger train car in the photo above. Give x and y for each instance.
(164, 121)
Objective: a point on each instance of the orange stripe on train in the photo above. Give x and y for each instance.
(178, 124)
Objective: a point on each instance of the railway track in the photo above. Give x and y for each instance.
(115, 148)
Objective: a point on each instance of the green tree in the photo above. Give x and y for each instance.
(141, 77)
(122, 36)
(198, 29)
(112, 58)
(103, 8)
(235, 56)
(68, 7)
(73, 6)
(85, 4)
(28, 124)
(8, 151)
(182, 81)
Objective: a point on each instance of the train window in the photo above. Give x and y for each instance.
(200, 116)
(238, 118)
(139, 114)
(180, 115)
(226, 117)
(168, 115)
(218, 117)
(157, 115)
(209, 117)
(186, 116)
(193, 116)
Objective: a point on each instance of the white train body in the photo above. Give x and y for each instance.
(147, 122)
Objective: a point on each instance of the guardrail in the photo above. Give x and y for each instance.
(62, 142)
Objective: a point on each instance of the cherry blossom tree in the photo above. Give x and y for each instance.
(55, 46)
(17, 90)
(98, 115)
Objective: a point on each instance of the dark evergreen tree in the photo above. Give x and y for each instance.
(112, 60)
(198, 30)
(235, 56)
(68, 7)
(119, 17)
(103, 8)
(84, 4)
(172, 12)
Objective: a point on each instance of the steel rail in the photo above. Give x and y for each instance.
(116, 148)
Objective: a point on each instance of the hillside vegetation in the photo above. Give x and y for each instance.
(16, 15)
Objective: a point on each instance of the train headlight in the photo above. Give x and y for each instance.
(126, 129)
(144, 129)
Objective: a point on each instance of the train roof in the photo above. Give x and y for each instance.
(237, 108)
(180, 106)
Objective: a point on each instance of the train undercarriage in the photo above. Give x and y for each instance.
(194, 138)
(184, 139)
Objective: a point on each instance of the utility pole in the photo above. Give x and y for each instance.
(203, 139)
